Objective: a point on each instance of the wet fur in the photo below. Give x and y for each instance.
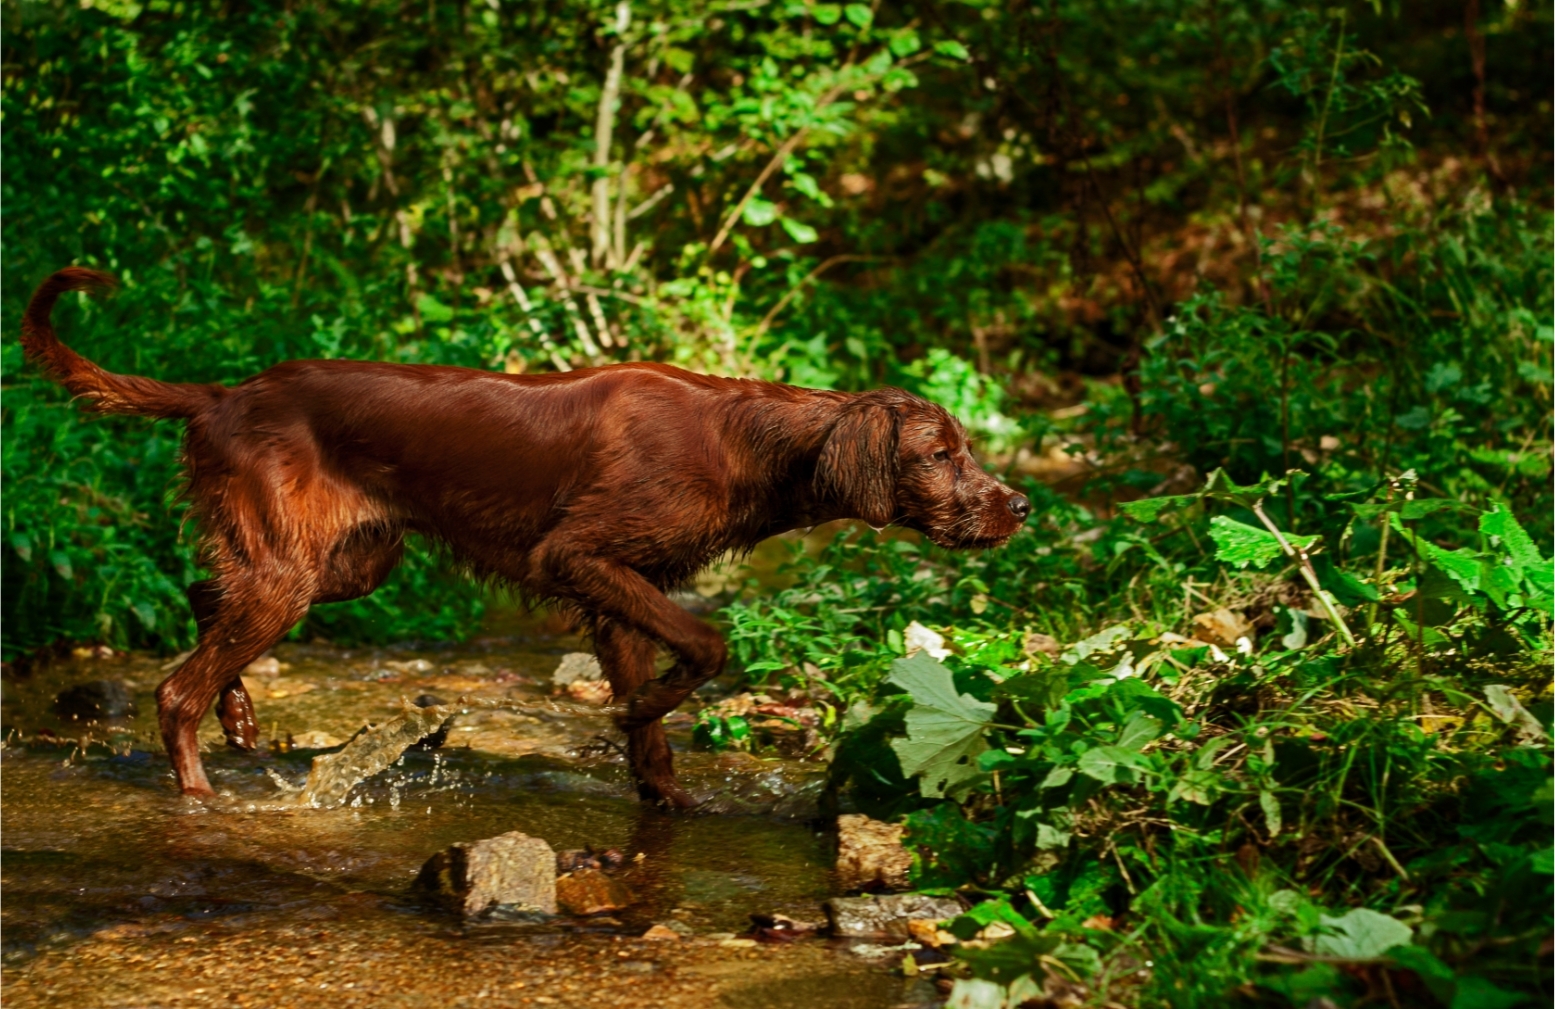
(598, 489)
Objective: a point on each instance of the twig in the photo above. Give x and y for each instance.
(1307, 573)
(766, 320)
(604, 125)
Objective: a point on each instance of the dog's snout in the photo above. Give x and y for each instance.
(1020, 506)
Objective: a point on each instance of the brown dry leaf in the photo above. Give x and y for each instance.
(1222, 627)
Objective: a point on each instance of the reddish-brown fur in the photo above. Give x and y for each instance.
(597, 488)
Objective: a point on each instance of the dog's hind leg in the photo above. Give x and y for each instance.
(627, 657)
(248, 613)
(234, 707)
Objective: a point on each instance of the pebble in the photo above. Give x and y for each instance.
(870, 854)
(512, 869)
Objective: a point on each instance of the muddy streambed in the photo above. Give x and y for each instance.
(120, 893)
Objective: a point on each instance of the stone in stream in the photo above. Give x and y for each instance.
(589, 891)
(870, 855)
(886, 917)
(433, 740)
(510, 870)
(97, 700)
(576, 667)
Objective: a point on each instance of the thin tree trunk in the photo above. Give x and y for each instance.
(604, 126)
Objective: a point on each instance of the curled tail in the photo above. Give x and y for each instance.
(108, 393)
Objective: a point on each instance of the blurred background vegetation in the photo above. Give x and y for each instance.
(1185, 230)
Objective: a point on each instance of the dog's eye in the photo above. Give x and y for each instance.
(941, 456)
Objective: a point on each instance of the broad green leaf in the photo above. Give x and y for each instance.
(904, 43)
(1243, 545)
(61, 562)
(1345, 587)
(1139, 730)
(859, 14)
(1463, 566)
(1111, 764)
(1362, 934)
(1198, 787)
(953, 49)
(1438, 977)
(1057, 777)
(22, 544)
(798, 230)
(827, 14)
(944, 727)
(1149, 509)
(759, 213)
(1503, 528)
(432, 310)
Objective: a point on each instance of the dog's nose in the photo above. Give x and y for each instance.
(1020, 506)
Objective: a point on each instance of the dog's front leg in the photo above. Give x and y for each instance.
(615, 594)
(626, 655)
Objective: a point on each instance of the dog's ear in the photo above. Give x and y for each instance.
(857, 468)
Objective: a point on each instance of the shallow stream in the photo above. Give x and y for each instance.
(120, 893)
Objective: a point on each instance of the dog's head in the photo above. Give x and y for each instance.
(894, 458)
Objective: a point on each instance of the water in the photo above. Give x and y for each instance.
(119, 892)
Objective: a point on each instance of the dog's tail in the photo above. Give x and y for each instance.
(107, 392)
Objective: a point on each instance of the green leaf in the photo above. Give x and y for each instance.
(1462, 566)
(1271, 811)
(1111, 764)
(1057, 777)
(1362, 934)
(1139, 730)
(1511, 711)
(827, 14)
(1505, 532)
(1150, 508)
(432, 310)
(22, 544)
(798, 230)
(1477, 993)
(145, 613)
(61, 563)
(944, 727)
(953, 49)
(1242, 545)
(904, 43)
(1345, 587)
(759, 213)
(859, 14)
(1438, 977)
(1222, 488)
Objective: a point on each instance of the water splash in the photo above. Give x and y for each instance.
(377, 748)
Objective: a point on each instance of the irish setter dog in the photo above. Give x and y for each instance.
(598, 489)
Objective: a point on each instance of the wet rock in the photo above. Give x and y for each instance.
(781, 928)
(433, 740)
(590, 691)
(266, 665)
(95, 701)
(589, 891)
(576, 667)
(588, 858)
(870, 855)
(660, 933)
(512, 869)
(314, 739)
(886, 917)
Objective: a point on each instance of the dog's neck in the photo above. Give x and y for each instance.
(774, 489)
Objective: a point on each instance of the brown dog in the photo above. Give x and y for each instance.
(597, 488)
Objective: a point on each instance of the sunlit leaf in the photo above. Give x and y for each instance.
(944, 727)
